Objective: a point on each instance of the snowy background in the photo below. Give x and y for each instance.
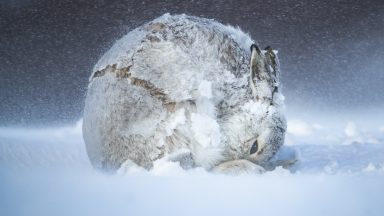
(332, 73)
(331, 52)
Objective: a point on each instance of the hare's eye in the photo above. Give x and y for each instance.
(254, 147)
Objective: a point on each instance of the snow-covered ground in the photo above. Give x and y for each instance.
(340, 172)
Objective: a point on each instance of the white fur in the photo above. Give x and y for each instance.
(185, 85)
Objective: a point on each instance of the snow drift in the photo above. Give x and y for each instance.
(47, 172)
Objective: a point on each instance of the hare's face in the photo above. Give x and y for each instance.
(251, 141)
(254, 136)
(256, 131)
(268, 141)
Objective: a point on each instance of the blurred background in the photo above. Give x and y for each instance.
(331, 51)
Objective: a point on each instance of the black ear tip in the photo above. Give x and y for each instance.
(268, 48)
(254, 46)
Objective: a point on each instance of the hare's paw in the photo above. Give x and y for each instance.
(238, 167)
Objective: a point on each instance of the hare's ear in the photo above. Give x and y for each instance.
(273, 61)
(264, 72)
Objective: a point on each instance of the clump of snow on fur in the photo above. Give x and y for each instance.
(204, 125)
(178, 118)
(255, 108)
(205, 89)
(206, 130)
(204, 103)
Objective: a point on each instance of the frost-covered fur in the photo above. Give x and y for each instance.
(183, 87)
